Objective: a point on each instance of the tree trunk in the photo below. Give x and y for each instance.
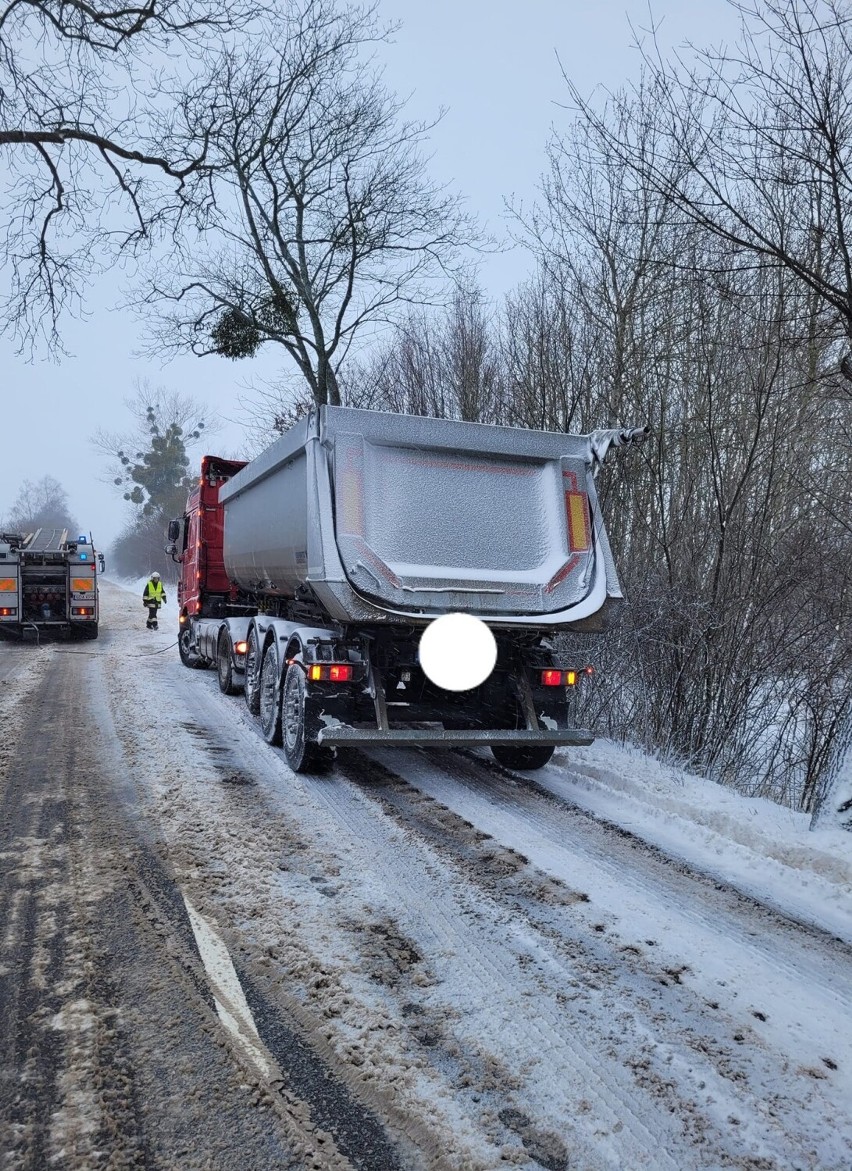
(833, 805)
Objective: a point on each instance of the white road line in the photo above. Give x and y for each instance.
(231, 1004)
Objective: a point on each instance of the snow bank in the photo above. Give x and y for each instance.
(766, 850)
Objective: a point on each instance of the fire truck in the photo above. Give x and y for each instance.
(49, 584)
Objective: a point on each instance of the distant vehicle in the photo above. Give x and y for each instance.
(49, 584)
(308, 576)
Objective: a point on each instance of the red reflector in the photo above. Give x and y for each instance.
(551, 678)
(240, 648)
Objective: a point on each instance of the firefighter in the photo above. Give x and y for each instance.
(153, 597)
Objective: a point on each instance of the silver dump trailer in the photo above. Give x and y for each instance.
(349, 535)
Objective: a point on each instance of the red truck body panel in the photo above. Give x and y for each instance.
(202, 570)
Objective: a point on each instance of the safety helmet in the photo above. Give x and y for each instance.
(155, 576)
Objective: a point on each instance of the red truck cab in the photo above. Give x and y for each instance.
(203, 587)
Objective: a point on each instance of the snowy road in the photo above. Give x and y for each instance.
(418, 960)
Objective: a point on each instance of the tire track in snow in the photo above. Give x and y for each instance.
(468, 1000)
(22, 668)
(328, 1128)
(375, 1043)
(66, 1090)
(520, 1010)
(808, 954)
(112, 1052)
(281, 953)
(518, 817)
(651, 1063)
(411, 977)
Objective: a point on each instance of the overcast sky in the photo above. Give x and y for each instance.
(492, 64)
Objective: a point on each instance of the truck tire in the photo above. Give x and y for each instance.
(224, 665)
(302, 752)
(522, 756)
(270, 696)
(188, 656)
(251, 687)
(87, 630)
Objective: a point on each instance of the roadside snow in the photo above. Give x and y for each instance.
(764, 849)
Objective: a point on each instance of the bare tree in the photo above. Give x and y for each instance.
(755, 145)
(833, 804)
(443, 362)
(316, 219)
(733, 655)
(471, 356)
(546, 367)
(41, 504)
(89, 168)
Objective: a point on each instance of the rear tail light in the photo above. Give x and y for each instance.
(8, 611)
(553, 677)
(330, 672)
(81, 611)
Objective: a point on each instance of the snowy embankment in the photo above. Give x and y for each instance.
(763, 849)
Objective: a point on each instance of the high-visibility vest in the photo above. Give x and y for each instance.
(154, 591)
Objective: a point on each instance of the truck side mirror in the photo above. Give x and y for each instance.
(173, 531)
(171, 550)
(101, 562)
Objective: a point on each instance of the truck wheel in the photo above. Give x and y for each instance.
(87, 630)
(522, 756)
(303, 754)
(270, 696)
(251, 687)
(188, 656)
(224, 666)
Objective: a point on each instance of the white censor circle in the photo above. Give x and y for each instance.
(457, 652)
